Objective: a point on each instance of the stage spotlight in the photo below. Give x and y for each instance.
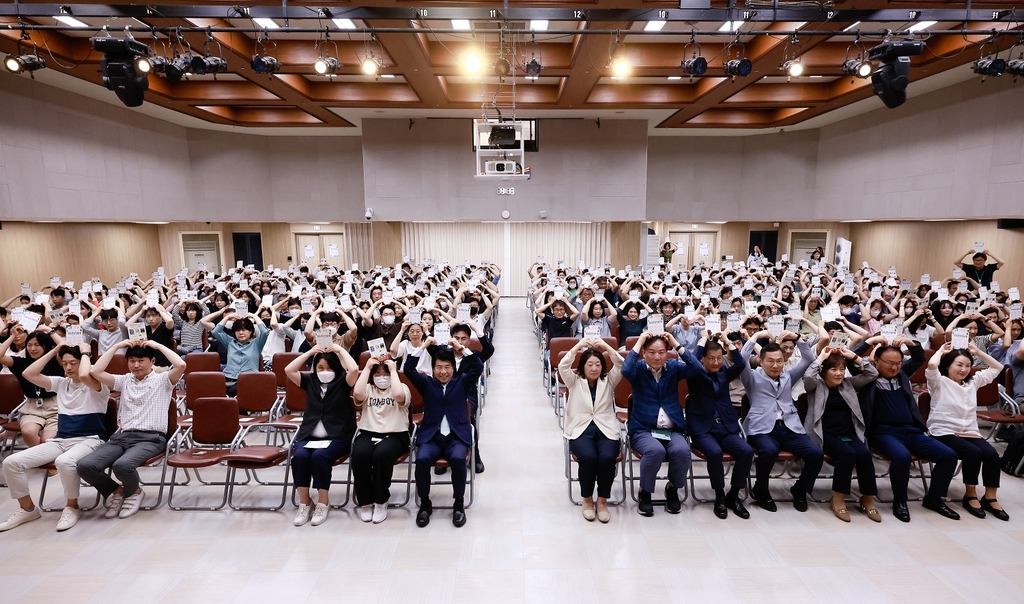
(208, 64)
(1015, 67)
(326, 65)
(472, 63)
(502, 67)
(793, 68)
(989, 67)
(858, 69)
(371, 65)
(533, 68)
(123, 68)
(890, 80)
(696, 66)
(618, 63)
(739, 67)
(29, 63)
(265, 64)
(179, 67)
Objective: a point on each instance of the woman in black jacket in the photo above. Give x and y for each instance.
(328, 424)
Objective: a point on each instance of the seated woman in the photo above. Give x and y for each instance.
(383, 436)
(835, 423)
(630, 322)
(595, 314)
(191, 328)
(590, 423)
(954, 423)
(328, 418)
(244, 345)
(38, 416)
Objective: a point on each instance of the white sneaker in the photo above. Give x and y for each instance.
(302, 515)
(68, 518)
(114, 503)
(131, 505)
(380, 512)
(320, 513)
(365, 512)
(21, 517)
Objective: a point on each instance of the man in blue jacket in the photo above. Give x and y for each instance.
(714, 425)
(657, 427)
(445, 429)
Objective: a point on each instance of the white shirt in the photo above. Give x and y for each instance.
(144, 402)
(955, 406)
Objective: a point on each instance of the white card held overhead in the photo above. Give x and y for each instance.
(324, 338)
(776, 325)
(961, 287)
(442, 333)
(994, 286)
(958, 273)
(29, 320)
(462, 312)
(793, 325)
(307, 305)
(889, 332)
(1015, 311)
(75, 307)
(330, 303)
(73, 335)
(926, 279)
(749, 308)
(839, 341)
(961, 338)
(979, 247)
(656, 324)
(377, 347)
(241, 308)
(733, 322)
(1014, 294)
(829, 313)
(415, 314)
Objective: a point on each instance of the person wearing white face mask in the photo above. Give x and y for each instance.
(386, 327)
(383, 436)
(328, 425)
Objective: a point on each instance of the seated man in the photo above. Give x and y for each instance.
(713, 423)
(81, 428)
(445, 429)
(657, 427)
(773, 423)
(895, 427)
(142, 416)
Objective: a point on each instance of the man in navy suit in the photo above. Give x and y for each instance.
(713, 423)
(445, 429)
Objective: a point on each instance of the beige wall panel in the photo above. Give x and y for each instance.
(624, 243)
(571, 242)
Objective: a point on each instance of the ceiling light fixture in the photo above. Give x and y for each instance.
(71, 21)
(539, 25)
(730, 26)
(890, 80)
(857, 68)
(696, 65)
(371, 65)
(533, 68)
(654, 25)
(326, 65)
(793, 68)
(121, 66)
(23, 63)
(179, 67)
(344, 23)
(1015, 67)
(472, 63)
(461, 24)
(920, 25)
(265, 64)
(988, 66)
(618, 62)
(266, 23)
(502, 67)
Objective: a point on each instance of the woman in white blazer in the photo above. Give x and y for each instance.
(953, 421)
(590, 424)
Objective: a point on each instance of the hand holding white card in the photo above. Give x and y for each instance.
(656, 324)
(137, 332)
(839, 341)
(776, 325)
(324, 338)
(592, 332)
(1015, 311)
(961, 338)
(889, 332)
(442, 333)
(733, 322)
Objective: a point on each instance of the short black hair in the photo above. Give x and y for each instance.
(712, 346)
(245, 324)
(770, 347)
(833, 326)
(444, 354)
(979, 255)
(847, 300)
(461, 328)
(330, 317)
(74, 351)
(140, 352)
(59, 292)
(108, 313)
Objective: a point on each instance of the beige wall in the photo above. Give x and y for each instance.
(33, 253)
(625, 243)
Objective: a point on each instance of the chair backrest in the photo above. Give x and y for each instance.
(215, 420)
(475, 345)
(202, 361)
(279, 362)
(416, 399)
(557, 345)
(257, 391)
(364, 358)
(1008, 381)
(111, 417)
(631, 342)
(684, 391)
(172, 419)
(11, 394)
(622, 393)
(295, 396)
(924, 405)
(936, 342)
(988, 395)
(612, 341)
(199, 384)
(118, 365)
(918, 377)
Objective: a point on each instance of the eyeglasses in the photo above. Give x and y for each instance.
(773, 362)
(890, 363)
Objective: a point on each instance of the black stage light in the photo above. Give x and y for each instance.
(739, 67)
(696, 66)
(123, 67)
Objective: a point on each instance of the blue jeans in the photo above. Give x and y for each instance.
(782, 438)
(898, 443)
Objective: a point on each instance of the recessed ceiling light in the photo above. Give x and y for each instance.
(46, 221)
(266, 23)
(462, 24)
(152, 222)
(853, 221)
(387, 75)
(344, 23)
(534, 78)
(675, 77)
(539, 25)
(943, 219)
(851, 26)
(654, 25)
(730, 26)
(718, 221)
(921, 25)
(73, 22)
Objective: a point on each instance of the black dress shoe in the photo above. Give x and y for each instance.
(799, 498)
(423, 517)
(977, 512)
(721, 510)
(764, 500)
(733, 503)
(478, 466)
(901, 512)
(672, 503)
(440, 470)
(645, 507)
(459, 517)
(937, 505)
(986, 504)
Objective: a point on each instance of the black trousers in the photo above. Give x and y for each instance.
(596, 455)
(977, 456)
(846, 455)
(373, 464)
